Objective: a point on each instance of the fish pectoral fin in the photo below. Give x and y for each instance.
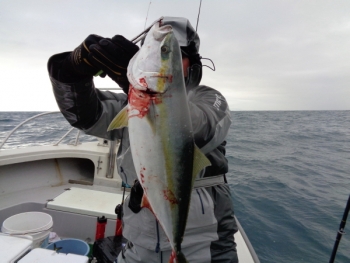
(119, 121)
(200, 161)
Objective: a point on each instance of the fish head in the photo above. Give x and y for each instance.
(158, 62)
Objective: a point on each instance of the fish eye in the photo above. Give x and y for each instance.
(164, 49)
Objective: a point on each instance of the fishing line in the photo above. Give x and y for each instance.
(150, 2)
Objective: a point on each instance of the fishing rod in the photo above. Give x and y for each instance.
(199, 12)
(341, 231)
(150, 2)
(143, 34)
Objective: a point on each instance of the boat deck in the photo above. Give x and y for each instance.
(39, 179)
(81, 223)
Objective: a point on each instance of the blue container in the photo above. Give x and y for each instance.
(70, 245)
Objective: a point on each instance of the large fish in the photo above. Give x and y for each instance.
(165, 156)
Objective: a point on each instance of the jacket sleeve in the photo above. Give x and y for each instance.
(210, 117)
(211, 121)
(84, 107)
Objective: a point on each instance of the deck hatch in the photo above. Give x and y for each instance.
(87, 202)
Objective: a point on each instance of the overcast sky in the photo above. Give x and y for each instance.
(269, 54)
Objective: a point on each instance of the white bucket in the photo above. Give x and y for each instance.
(36, 224)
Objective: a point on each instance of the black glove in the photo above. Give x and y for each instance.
(77, 63)
(136, 194)
(113, 56)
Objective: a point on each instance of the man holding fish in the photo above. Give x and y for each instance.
(172, 139)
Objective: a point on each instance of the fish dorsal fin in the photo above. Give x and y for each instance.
(119, 121)
(200, 161)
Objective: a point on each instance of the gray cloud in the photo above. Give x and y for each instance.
(269, 55)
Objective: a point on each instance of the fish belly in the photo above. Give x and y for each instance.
(162, 149)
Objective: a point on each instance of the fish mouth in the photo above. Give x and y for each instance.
(151, 92)
(141, 82)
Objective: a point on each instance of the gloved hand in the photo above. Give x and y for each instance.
(77, 63)
(113, 56)
(136, 194)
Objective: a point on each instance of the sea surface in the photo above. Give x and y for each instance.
(289, 176)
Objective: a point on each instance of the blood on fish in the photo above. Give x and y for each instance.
(140, 101)
(169, 195)
(172, 258)
(142, 177)
(145, 203)
(143, 82)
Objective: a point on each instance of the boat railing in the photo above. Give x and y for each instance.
(64, 136)
(53, 112)
(35, 117)
(112, 144)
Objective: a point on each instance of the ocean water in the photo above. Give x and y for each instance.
(43, 130)
(289, 177)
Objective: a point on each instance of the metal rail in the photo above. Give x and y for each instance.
(111, 158)
(112, 144)
(68, 132)
(34, 117)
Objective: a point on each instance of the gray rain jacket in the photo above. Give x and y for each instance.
(211, 223)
